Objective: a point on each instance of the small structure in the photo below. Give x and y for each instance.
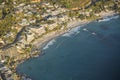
(24, 22)
(34, 1)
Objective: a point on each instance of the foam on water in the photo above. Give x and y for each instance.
(109, 18)
(49, 44)
(71, 32)
(94, 33)
(85, 29)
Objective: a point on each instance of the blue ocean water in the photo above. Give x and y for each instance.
(90, 52)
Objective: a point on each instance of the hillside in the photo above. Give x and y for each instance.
(79, 3)
(70, 3)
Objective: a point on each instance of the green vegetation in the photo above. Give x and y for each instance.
(46, 29)
(70, 3)
(73, 14)
(81, 16)
(6, 24)
(1, 1)
(7, 19)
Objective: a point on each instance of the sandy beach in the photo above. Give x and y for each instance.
(39, 43)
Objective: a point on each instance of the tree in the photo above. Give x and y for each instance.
(8, 8)
(46, 29)
(5, 24)
(81, 16)
(1, 1)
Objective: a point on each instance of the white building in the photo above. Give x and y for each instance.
(24, 22)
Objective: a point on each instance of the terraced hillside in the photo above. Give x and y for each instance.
(70, 3)
(79, 3)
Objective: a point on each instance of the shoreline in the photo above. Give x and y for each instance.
(41, 42)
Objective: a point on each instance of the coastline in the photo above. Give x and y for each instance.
(76, 46)
(41, 42)
(29, 30)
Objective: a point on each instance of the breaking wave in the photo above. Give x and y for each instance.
(49, 44)
(108, 18)
(85, 29)
(71, 32)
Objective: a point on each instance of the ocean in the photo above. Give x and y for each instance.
(88, 52)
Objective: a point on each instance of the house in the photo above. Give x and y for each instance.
(75, 8)
(24, 22)
(34, 1)
(30, 37)
(32, 20)
(28, 14)
(1, 42)
(52, 26)
(6, 73)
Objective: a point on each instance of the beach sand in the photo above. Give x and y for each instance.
(40, 42)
